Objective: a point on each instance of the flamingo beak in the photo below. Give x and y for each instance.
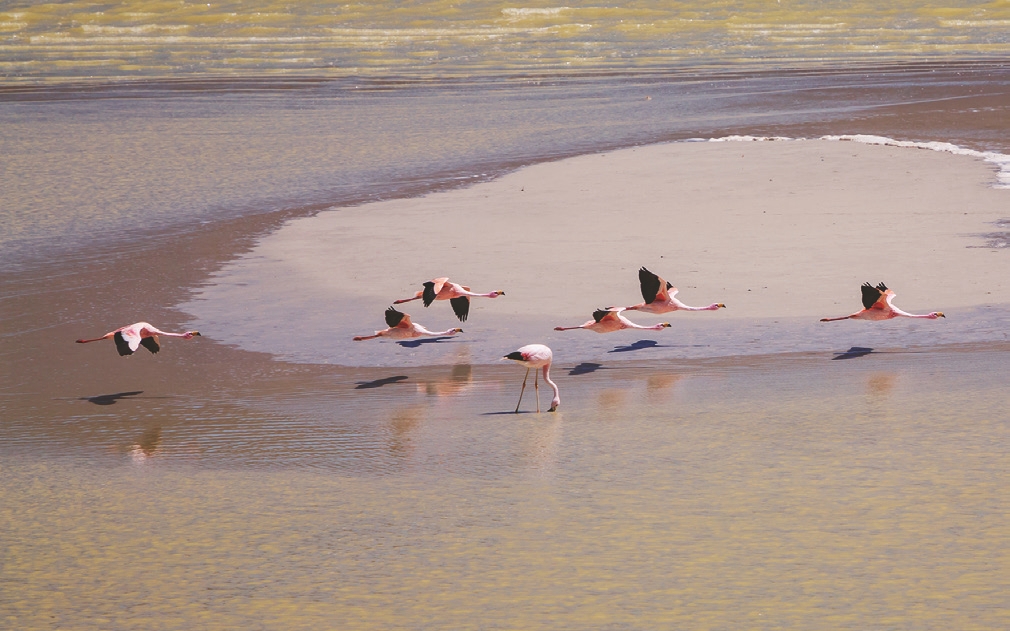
(722, 306)
(667, 325)
(939, 314)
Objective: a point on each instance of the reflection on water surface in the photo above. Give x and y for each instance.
(819, 495)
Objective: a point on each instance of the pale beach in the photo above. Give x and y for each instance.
(277, 179)
(782, 231)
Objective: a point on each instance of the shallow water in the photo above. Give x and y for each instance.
(211, 488)
(137, 161)
(46, 42)
(798, 492)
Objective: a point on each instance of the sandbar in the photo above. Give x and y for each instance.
(781, 231)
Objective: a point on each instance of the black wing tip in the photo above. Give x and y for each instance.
(150, 344)
(649, 284)
(428, 295)
(121, 344)
(872, 294)
(461, 307)
(393, 316)
(599, 314)
(514, 355)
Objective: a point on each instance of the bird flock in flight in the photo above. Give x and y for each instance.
(659, 297)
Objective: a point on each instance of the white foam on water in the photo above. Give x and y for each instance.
(999, 159)
(1002, 161)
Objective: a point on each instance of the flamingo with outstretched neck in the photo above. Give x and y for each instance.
(660, 296)
(401, 328)
(610, 320)
(877, 306)
(457, 295)
(535, 356)
(131, 337)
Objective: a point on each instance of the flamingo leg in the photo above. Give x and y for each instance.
(536, 386)
(523, 390)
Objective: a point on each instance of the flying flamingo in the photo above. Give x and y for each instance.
(610, 320)
(457, 295)
(659, 296)
(877, 306)
(130, 338)
(535, 356)
(401, 328)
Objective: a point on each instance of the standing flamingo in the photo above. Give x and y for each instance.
(401, 328)
(877, 306)
(130, 338)
(659, 296)
(457, 295)
(610, 320)
(535, 356)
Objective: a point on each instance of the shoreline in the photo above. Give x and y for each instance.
(778, 230)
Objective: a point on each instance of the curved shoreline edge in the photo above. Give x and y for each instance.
(779, 230)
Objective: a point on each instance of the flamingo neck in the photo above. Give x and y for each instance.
(556, 401)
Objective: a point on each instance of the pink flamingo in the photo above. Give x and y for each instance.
(877, 306)
(610, 320)
(457, 295)
(129, 338)
(535, 356)
(659, 296)
(401, 328)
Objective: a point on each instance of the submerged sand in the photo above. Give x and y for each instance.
(783, 232)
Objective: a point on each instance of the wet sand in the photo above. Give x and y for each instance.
(783, 232)
(911, 218)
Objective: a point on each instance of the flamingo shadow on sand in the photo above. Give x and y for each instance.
(637, 346)
(852, 353)
(584, 368)
(378, 383)
(430, 340)
(110, 399)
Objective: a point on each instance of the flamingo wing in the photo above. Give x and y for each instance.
(461, 307)
(432, 289)
(607, 314)
(151, 343)
(428, 295)
(131, 336)
(122, 345)
(394, 317)
(872, 294)
(650, 284)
